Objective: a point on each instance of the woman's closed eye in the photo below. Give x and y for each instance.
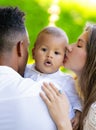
(80, 43)
(79, 46)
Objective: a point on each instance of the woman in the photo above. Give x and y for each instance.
(80, 58)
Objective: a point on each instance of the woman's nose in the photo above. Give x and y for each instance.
(69, 48)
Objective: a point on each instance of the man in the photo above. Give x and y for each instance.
(21, 107)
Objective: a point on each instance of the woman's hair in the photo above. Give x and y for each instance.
(88, 76)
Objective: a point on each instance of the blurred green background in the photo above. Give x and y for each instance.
(70, 15)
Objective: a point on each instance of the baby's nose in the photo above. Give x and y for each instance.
(50, 55)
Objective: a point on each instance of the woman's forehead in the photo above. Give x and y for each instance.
(84, 36)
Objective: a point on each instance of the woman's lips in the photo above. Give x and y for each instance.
(65, 58)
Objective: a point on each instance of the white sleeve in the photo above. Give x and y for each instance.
(27, 72)
(70, 90)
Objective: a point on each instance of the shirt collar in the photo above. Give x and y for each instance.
(8, 70)
(36, 71)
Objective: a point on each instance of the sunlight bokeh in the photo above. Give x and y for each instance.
(86, 7)
(54, 11)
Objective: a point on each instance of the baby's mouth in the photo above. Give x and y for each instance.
(48, 63)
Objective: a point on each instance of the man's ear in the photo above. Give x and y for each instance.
(19, 48)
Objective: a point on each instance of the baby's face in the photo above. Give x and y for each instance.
(49, 53)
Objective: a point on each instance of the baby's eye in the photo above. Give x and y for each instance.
(57, 53)
(43, 49)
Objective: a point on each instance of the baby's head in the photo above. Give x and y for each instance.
(49, 49)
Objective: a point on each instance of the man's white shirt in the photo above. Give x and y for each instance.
(21, 107)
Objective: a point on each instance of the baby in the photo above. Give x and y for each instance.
(48, 53)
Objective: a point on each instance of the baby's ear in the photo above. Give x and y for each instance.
(33, 53)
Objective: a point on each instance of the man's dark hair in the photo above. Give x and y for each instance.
(11, 27)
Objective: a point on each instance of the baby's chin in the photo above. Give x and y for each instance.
(46, 71)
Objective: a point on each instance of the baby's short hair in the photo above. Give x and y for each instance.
(55, 31)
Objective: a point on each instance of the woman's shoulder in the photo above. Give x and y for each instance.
(93, 106)
(92, 116)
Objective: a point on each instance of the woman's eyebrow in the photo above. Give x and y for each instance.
(81, 40)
